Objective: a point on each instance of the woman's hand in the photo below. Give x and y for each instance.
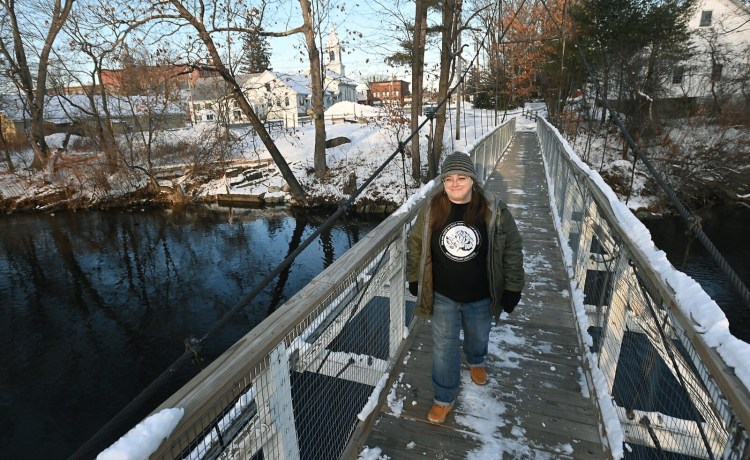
(509, 301)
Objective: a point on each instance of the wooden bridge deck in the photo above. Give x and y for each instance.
(535, 404)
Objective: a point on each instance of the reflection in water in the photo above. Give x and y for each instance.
(95, 305)
(726, 227)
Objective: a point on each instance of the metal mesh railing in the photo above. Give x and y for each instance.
(672, 393)
(327, 349)
(486, 151)
(298, 385)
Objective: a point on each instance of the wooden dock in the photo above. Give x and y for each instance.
(536, 404)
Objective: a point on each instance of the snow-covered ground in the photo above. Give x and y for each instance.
(370, 144)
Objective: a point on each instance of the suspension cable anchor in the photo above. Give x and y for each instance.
(194, 346)
(695, 222)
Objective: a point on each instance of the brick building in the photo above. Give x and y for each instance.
(389, 92)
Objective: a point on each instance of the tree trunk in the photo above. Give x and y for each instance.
(239, 96)
(9, 161)
(451, 11)
(106, 131)
(605, 93)
(417, 82)
(36, 137)
(458, 89)
(33, 89)
(316, 85)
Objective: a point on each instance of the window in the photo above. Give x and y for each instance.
(286, 102)
(716, 72)
(197, 106)
(706, 18)
(209, 116)
(268, 86)
(237, 114)
(678, 75)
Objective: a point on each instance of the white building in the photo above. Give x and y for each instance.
(721, 63)
(273, 96)
(336, 82)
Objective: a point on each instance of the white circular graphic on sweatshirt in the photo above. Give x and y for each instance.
(459, 242)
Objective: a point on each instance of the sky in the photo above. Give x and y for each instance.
(709, 320)
(367, 30)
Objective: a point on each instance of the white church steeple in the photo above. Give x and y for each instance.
(334, 54)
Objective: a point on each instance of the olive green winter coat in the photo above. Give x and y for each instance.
(504, 257)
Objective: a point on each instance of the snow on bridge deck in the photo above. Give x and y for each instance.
(536, 404)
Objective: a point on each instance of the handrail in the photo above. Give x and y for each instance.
(633, 309)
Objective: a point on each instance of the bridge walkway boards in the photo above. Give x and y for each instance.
(534, 405)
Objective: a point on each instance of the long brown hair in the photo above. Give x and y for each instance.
(440, 208)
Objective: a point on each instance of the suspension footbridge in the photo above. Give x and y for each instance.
(602, 359)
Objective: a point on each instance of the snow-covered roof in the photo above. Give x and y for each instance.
(209, 89)
(65, 109)
(297, 81)
(342, 80)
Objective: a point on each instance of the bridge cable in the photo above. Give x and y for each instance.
(692, 221)
(668, 347)
(355, 310)
(113, 429)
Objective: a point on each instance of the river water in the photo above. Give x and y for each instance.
(727, 227)
(95, 305)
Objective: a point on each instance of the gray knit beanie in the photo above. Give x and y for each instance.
(458, 163)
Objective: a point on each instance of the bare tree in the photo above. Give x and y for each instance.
(32, 28)
(417, 79)
(7, 133)
(89, 47)
(411, 37)
(451, 13)
(213, 25)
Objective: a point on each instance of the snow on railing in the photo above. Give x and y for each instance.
(669, 376)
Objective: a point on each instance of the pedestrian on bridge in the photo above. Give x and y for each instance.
(464, 265)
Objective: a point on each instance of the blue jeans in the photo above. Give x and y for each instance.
(448, 316)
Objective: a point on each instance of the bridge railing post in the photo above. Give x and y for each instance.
(397, 295)
(274, 398)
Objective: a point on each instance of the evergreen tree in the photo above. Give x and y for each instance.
(256, 56)
(634, 47)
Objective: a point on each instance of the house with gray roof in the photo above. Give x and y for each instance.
(284, 97)
(75, 112)
(273, 96)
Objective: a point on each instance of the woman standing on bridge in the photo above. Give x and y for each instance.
(464, 264)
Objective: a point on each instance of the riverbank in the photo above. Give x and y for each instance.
(37, 193)
(240, 173)
(245, 184)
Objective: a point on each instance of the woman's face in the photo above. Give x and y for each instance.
(458, 188)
